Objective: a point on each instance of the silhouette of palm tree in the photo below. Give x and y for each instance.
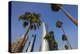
(53, 45)
(31, 21)
(64, 37)
(57, 7)
(66, 47)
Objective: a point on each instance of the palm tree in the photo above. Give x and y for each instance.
(57, 7)
(53, 45)
(34, 36)
(32, 21)
(66, 47)
(28, 46)
(64, 37)
(15, 46)
(59, 25)
(31, 44)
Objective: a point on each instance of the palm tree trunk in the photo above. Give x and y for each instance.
(28, 46)
(25, 35)
(16, 46)
(69, 44)
(31, 46)
(44, 46)
(24, 43)
(21, 44)
(33, 43)
(69, 16)
(27, 32)
(67, 39)
(63, 30)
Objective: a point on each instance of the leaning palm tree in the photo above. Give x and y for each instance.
(15, 46)
(31, 21)
(64, 37)
(57, 7)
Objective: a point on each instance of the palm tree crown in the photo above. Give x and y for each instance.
(64, 37)
(55, 7)
(66, 47)
(59, 24)
(32, 19)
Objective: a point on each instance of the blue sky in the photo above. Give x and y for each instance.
(49, 17)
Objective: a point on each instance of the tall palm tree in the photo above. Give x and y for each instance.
(64, 37)
(57, 7)
(31, 21)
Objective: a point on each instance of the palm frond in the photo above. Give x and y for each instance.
(55, 7)
(32, 18)
(64, 37)
(25, 24)
(66, 47)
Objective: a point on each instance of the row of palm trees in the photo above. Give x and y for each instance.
(64, 36)
(33, 21)
(57, 7)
